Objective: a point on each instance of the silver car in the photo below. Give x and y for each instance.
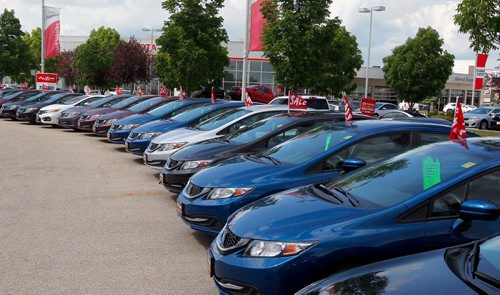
(481, 117)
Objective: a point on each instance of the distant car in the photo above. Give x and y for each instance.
(495, 121)
(120, 130)
(16, 96)
(29, 112)
(255, 138)
(313, 102)
(334, 107)
(450, 108)
(435, 196)
(481, 117)
(206, 92)
(140, 138)
(104, 122)
(401, 114)
(50, 114)
(466, 269)
(6, 92)
(124, 91)
(9, 109)
(381, 108)
(259, 93)
(313, 157)
(234, 93)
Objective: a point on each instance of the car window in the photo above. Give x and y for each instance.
(489, 258)
(221, 119)
(496, 111)
(485, 188)
(112, 102)
(257, 130)
(125, 102)
(250, 120)
(448, 204)
(182, 110)
(428, 138)
(142, 106)
(381, 147)
(319, 104)
(390, 107)
(88, 101)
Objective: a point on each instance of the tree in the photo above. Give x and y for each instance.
(14, 52)
(419, 68)
(481, 19)
(130, 63)
(309, 50)
(191, 51)
(94, 57)
(66, 67)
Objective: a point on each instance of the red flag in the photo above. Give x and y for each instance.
(164, 92)
(139, 91)
(212, 96)
(52, 31)
(348, 110)
(118, 90)
(182, 94)
(480, 72)
(71, 89)
(458, 129)
(296, 102)
(256, 26)
(248, 100)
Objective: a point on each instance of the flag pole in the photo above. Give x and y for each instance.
(245, 51)
(473, 82)
(42, 56)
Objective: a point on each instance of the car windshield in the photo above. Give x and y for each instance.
(125, 102)
(27, 96)
(142, 106)
(306, 146)
(480, 111)
(167, 108)
(222, 119)
(74, 100)
(40, 97)
(88, 101)
(425, 166)
(257, 130)
(61, 97)
(489, 258)
(194, 113)
(99, 102)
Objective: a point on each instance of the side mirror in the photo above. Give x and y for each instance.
(479, 210)
(352, 164)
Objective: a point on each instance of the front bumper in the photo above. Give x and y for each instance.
(137, 146)
(71, 122)
(100, 130)
(175, 180)
(157, 159)
(473, 123)
(48, 118)
(26, 116)
(86, 125)
(118, 136)
(9, 114)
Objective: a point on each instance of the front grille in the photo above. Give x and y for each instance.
(84, 117)
(194, 190)
(229, 239)
(134, 135)
(64, 115)
(99, 121)
(172, 164)
(153, 147)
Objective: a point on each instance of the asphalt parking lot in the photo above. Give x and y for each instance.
(79, 216)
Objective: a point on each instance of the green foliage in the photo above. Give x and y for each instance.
(419, 68)
(308, 49)
(481, 19)
(94, 57)
(14, 52)
(191, 51)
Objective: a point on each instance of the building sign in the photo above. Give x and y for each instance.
(46, 81)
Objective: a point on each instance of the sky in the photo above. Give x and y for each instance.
(391, 28)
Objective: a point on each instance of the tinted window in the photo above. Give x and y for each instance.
(224, 118)
(449, 203)
(210, 115)
(74, 99)
(489, 258)
(258, 130)
(486, 188)
(195, 112)
(125, 102)
(427, 138)
(250, 120)
(479, 111)
(390, 107)
(88, 101)
(98, 102)
(279, 101)
(167, 108)
(112, 102)
(141, 107)
(381, 147)
(319, 104)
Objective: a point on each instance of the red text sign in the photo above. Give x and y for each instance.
(368, 106)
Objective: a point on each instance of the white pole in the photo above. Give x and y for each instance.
(473, 82)
(245, 51)
(42, 57)
(369, 52)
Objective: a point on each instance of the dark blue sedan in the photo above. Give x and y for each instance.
(140, 138)
(121, 129)
(435, 196)
(314, 157)
(467, 269)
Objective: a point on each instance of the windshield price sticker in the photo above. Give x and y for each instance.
(431, 172)
(468, 165)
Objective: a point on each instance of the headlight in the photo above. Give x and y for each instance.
(30, 110)
(12, 107)
(109, 122)
(273, 249)
(128, 127)
(150, 135)
(224, 193)
(172, 146)
(196, 164)
(92, 117)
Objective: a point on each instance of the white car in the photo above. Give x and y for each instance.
(50, 114)
(465, 107)
(160, 149)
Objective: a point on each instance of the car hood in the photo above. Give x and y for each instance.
(240, 171)
(118, 115)
(56, 107)
(208, 149)
(79, 109)
(176, 134)
(137, 119)
(99, 111)
(159, 126)
(291, 214)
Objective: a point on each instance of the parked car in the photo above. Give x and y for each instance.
(464, 269)
(450, 107)
(104, 122)
(481, 117)
(432, 197)
(495, 121)
(206, 92)
(9, 109)
(381, 108)
(161, 147)
(259, 93)
(50, 114)
(233, 93)
(313, 157)
(69, 118)
(121, 129)
(29, 112)
(313, 102)
(264, 134)
(396, 114)
(6, 92)
(140, 138)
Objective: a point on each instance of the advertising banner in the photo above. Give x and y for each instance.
(46, 81)
(52, 32)
(368, 106)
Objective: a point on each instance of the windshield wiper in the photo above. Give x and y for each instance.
(354, 202)
(275, 161)
(327, 191)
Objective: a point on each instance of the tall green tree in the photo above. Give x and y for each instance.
(191, 51)
(94, 57)
(308, 49)
(14, 52)
(419, 68)
(481, 19)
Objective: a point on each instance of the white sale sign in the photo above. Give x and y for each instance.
(46, 81)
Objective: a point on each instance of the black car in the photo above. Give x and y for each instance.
(9, 109)
(259, 136)
(206, 92)
(28, 112)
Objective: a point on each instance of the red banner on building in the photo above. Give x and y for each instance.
(367, 106)
(256, 26)
(52, 31)
(480, 72)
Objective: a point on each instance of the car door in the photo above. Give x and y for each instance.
(247, 122)
(444, 209)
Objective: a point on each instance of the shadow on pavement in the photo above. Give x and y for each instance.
(203, 238)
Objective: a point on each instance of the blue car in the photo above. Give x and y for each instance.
(216, 192)
(140, 138)
(435, 196)
(121, 129)
(472, 268)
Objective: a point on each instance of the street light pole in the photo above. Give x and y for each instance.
(42, 55)
(369, 10)
(150, 47)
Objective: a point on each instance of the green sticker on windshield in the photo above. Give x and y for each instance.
(431, 172)
(328, 141)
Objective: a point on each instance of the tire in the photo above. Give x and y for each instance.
(483, 125)
(54, 125)
(76, 129)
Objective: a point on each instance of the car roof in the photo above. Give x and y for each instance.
(376, 126)
(488, 145)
